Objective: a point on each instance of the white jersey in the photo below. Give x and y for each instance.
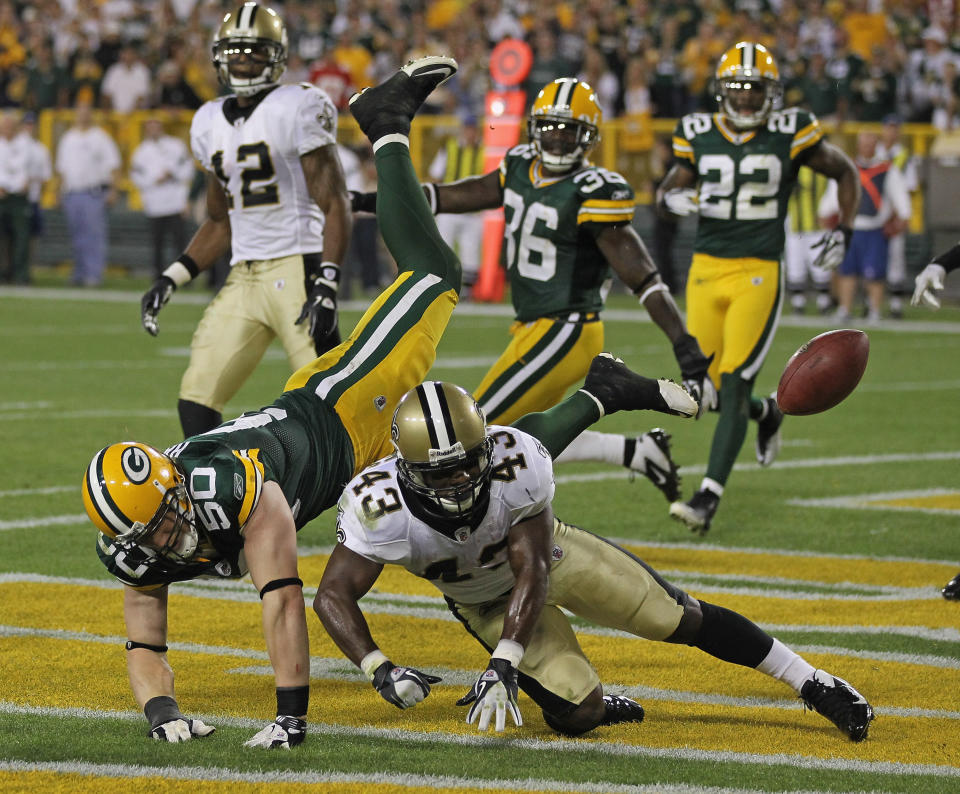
(374, 521)
(256, 157)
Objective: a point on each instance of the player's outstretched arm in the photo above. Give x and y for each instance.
(929, 281)
(151, 676)
(831, 161)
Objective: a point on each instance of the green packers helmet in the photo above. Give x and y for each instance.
(131, 491)
(444, 455)
(564, 123)
(747, 84)
(250, 49)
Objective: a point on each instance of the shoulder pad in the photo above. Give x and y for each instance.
(693, 124)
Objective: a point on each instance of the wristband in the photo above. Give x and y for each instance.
(659, 286)
(328, 274)
(182, 271)
(161, 709)
(371, 662)
(509, 650)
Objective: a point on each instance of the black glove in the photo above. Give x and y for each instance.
(284, 732)
(495, 691)
(363, 202)
(153, 300)
(693, 371)
(404, 687)
(320, 307)
(169, 725)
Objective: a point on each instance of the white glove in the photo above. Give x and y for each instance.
(682, 201)
(284, 732)
(180, 730)
(833, 248)
(495, 692)
(928, 280)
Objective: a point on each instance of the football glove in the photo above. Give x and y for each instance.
(693, 371)
(927, 283)
(153, 300)
(495, 692)
(320, 307)
(284, 732)
(682, 201)
(363, 202)
(833, 248)
(404, 687)
(180, 730)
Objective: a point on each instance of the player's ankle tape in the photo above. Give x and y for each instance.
(161, 709)
(292, 700)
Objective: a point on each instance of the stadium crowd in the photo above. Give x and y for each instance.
(843, 59)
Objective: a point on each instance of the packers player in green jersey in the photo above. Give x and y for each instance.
(568, 222)
(735, 169)
(230, 501)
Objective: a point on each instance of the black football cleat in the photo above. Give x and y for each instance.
(839, 702)
(617, 388)
(952, 591)
(617, 709)
(768, 433)
(651, 458)
(698, 512)
(388, 108)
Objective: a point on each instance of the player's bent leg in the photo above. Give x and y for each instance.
(583, 717)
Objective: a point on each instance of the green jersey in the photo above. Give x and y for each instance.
(298, 442)
(550, 250)
(744, 179)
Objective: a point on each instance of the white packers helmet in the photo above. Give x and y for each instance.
(564, 123)
(444, 455)
(250, 49)
(130, 491)
(747, 84)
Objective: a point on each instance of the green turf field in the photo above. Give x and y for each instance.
(839, 549)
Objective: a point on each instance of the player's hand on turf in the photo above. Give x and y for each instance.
(682, 201)
(180, 729)
(320, 307)
(928, 282)
(404, 687)
(153, 300)
(833, 248)
(494, 693)
(693, 371)
(283, 733)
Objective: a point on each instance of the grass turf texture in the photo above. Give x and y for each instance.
(80, 373)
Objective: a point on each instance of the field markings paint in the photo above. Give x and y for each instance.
(602, 747)
(934, 501)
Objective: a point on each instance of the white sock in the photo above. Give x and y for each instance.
(708, 484)
(590, 445)
(784, 665)
(394, 137)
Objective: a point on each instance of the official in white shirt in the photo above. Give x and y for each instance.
(87, 163)
(162, 169)
(14, 207)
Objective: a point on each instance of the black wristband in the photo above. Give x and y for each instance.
(155, 648)
(161, 709)
(190, 264)
(292, 700)
(950, 260)
(276, 584)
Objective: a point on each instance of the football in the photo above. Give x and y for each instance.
(823, 372)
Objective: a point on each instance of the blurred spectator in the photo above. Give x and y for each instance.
(12, 51)
(884, 210)
(327, 74)
(162, 169)
(664, 224)
(110, 44)
(697, 61)
(926, 74)
(363, 255)
(596, 72)
(85, 75)
(804, 232)
(462, 156)
(14, 206)
(548, 63)
(39, 169)
(814, 89)
(892, 148)
(502, 22)
(874, 90)
(946, 100)
(667, 89)
(355, 58)
(126, 83)
(816, 29)
(844, 66)
(866, 27)
(88, 164)
(47, 84)
(172, 90)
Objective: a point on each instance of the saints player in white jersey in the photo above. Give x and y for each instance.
(568, 223)
(277, 201)
(468, 507)
(735, 169)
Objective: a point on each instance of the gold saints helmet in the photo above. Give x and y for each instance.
(747, 84)
(250, 49)
(130, 490)
(564, 123)
(444, 455)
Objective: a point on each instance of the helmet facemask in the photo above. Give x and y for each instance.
(748, 101)
(562, 143)
(250, 50)
(175, 516)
